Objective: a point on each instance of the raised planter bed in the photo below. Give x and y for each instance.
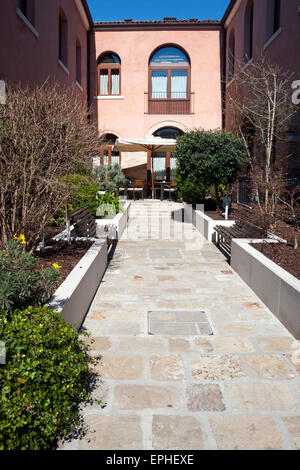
(283, 255)
(206, 225)
(119, 222)
(278, 289)
(72, 299)
(66, 256)
(74, 296)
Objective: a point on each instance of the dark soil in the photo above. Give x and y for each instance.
(217, 215)
(280, 253)
(51, 232)
(64, 255)
(283, 255)
(281, 229)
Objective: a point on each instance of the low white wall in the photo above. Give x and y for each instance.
(72, 299)
(204, 224)
(119, 221)
(278, 290)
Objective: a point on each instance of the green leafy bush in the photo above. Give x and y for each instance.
(190, 190)
(43, 381)
(108, 205)
(20, 284)
(206, 158)
(57, 221)
(84, 189)
(110, 178)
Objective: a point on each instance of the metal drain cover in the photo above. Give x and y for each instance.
(179, 323)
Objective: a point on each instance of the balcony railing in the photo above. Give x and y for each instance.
(169, 103)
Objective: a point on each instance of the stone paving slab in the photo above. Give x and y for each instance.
(182, 388)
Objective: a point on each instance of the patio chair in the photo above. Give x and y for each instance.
(171, 190)
(139, 188)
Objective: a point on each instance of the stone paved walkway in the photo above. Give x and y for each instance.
(182, 387)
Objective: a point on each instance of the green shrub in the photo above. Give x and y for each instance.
(57, 221)
(206, 158)
(110, 178)
(43, 381)
(108, 204)
(190, 190)
(20, 284)
(84, 189)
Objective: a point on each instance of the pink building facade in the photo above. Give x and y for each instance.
(145, 78)
(168, 78)
(270, 28)
(43, 40)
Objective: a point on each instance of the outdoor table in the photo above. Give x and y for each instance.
(161, 186)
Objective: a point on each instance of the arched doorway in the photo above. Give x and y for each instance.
(162, 165)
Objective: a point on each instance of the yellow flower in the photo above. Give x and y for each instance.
(56, 266)
(6, 254)
(21, 239)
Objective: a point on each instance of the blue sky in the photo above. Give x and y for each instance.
(115, 10)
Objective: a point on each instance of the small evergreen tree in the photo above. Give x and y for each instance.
(206, 158)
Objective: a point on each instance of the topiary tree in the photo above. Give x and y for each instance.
(206, 158)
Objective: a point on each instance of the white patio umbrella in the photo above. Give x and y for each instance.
(150, 144)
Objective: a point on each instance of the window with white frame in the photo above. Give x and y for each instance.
(109, 74)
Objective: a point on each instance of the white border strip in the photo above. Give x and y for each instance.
(65, 69)
(27, 22)
(79, 86)
(273, 37)
(109, 97)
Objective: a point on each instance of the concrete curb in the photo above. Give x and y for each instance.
(73, 297)
(279, 290)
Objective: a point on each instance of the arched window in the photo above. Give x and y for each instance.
(231, 55)
(63, 37)
(164, 163)
(109, 74)
(107, 156)
(169, 81)
(168, 133)
(248, 32)
(273, 17)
